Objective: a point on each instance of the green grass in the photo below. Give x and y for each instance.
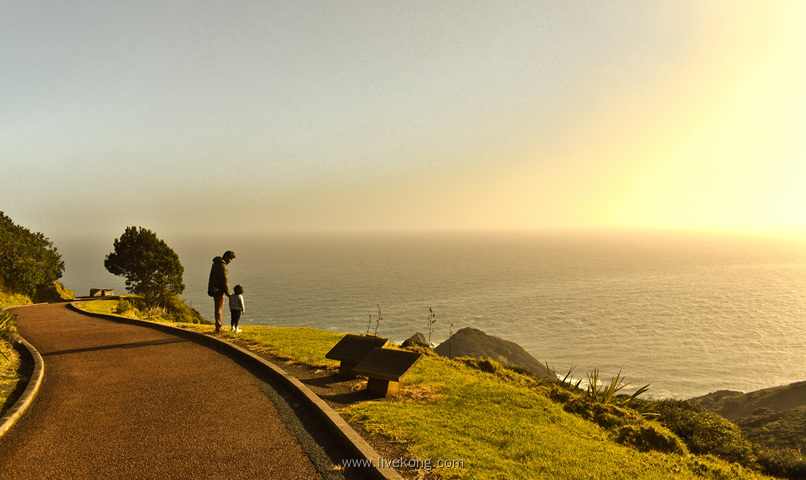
(132, 306)
(298, 344)
(9, 375)
(10, 363)
(504, 430)
(13, 299)
(302, 345)
(497, 425)
(110, 306)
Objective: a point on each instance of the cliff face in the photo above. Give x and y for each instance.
(471, 342)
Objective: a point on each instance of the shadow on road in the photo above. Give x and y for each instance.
(150, 343)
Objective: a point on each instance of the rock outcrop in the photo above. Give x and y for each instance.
(416, 339)
(472, 342)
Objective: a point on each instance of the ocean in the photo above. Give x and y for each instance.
(688, 314)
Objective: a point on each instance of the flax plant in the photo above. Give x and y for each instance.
(600, 392)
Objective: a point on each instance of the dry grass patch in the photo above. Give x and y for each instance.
(10, 363)
(10, 378)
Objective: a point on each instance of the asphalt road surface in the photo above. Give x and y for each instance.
(124, 401)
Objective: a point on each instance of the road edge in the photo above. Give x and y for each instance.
(344, 432)
(19, 408)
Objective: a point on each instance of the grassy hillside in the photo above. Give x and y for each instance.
(503, 425)
(8, 299)
(470, 419)
(774, 418)
(132, 306)
(735, 405)
(495, 425)
(10, 363)
(777, 428)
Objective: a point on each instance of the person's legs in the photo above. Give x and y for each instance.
(219, 307)
(236, 316)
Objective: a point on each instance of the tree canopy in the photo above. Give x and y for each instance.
(151, 268)
(28, 260)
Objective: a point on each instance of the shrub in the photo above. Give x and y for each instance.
(176, 310)
(125, 306)
(418, 348)
(484, 364)
(606, 415)
(650, 436)
(781, 462)
(53, 292)
(704, 432)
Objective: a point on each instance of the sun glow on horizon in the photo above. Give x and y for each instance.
(743, 169)
(683, 115)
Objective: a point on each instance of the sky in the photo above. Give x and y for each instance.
(251, 117)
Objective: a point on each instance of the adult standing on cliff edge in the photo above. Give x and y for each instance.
(218, 286)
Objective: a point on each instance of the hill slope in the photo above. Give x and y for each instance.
(775, 416)
(734, 405)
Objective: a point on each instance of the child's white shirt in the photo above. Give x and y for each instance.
(236, 303)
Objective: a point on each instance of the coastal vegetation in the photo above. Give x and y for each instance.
(774, 419)
(10, 363)
(496, 422)
(174, 309)
(8, 298)
(7, 327)
(506, 424)
(29, 266)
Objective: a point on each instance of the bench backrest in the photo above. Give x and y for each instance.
(353, 348)
(387, 364)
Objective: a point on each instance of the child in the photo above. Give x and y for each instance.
(236, 307)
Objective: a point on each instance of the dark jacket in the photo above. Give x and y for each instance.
(219, 283)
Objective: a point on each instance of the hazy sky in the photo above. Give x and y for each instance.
(257, 116)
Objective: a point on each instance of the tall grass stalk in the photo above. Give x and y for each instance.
(378, 321)
(432, 319)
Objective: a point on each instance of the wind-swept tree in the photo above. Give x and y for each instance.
(151, 267)
(28, 260)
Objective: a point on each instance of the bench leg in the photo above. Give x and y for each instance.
(345, 370)
(382, 388)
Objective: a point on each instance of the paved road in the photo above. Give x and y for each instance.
(124, 401)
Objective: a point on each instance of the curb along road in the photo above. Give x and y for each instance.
(227, 405)
(29, 394)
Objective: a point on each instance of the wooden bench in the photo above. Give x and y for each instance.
(351, 349)
(384, 367)
(101, 292)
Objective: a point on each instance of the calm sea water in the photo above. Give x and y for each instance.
(689, 314)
